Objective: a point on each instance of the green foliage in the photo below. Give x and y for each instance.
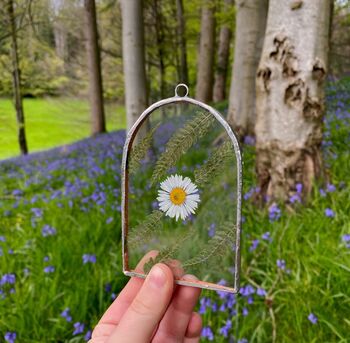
(142, 233)
(180, 142)
(216, 163)
(217, 246)
(139, 151)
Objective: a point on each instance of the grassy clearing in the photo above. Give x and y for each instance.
(51, 122)
(294, 264)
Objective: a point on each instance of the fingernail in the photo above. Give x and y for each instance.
(189, 277)
(157, 277)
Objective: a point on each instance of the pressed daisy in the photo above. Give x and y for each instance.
(178, 197)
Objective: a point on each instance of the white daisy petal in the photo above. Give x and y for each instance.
(178, 197)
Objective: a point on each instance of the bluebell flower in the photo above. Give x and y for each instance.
(281, 264)
(274, 212)
(109, 220)
(89, 258)
(78, 328)
(46, 258)
(226, 328)
(266, 236)
(249, 140)
(87, 335)
(9, 278)
(254, 245)
(211, 231)
(48, 230)
(66, 314)
(242, 340)
(322, 192)
(10, 337)
(312, 318)
(38, 212)
(49, 269)
(331, 188)
(295, 198)
(2, 239)
(113, 296)
(207, 333)
(261, 292)
(299, 188)
(247, 290)
(346, 240)
(329, 213)
(245, 311)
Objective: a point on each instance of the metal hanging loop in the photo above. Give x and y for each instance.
(179, 86)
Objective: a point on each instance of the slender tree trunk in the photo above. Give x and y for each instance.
(290, 96)
(250, 29)
(98, 124)
(204, 87)
(160, 46)
(219, 92)
(17, 82)
(134, 60)
(181, 32)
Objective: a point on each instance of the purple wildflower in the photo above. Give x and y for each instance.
(48, 230)
(266, 236)
(109, 220)
(254, 245)
(87, 335)
(207, 333)
(211, 231)
(295, 198)
(2, 239)
(49, 269)
(261, 292)
(312, 318)
(78, 328)
(299, 188)
(89, 258)
(281, 264)
(38, 212)
(346, 239)
(226, 328)
(243, 340)
(331, 188)
(329, 213)
(247, 290)
(245, 311)
(274, 212)
(249, 140)
(9, 278)
(66, 314)
(10, 337)
(322, 192)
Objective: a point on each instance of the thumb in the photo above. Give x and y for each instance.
(147, 309)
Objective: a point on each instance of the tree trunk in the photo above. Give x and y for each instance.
(181, 32)
(204, 87)
(290, 96)
(250, 29)
(98, 124)
(160, 46)
(219, 92)
(17, 82)
(134, 60)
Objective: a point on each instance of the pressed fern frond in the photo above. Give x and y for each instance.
(215, 164)
(168, 253)
(143, 231)
(217, 246)
(140, 150)
(180, 142)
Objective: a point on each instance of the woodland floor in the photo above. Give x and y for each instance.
(60, 260)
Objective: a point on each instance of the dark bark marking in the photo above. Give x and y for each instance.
(293, 93)
(312, 109)
(295, 5)
(265, 76)
(318, 71)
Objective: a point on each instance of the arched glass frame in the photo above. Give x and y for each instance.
(177, 99)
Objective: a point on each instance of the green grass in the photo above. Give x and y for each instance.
(51, 122)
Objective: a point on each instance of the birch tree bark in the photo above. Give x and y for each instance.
(204, 86)
(251, 16)
(98, 124)
(290, 96)
(16, 76)
(219, 92)
(133, 60)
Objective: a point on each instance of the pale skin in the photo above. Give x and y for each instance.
(152, 310)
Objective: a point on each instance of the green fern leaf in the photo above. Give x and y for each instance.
(180, 142)
(215, 164)
(216, 247)
(140, 150)
(141, 233)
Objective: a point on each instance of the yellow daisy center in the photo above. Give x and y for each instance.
(177, 196)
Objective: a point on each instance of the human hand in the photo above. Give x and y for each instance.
(151, 310)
